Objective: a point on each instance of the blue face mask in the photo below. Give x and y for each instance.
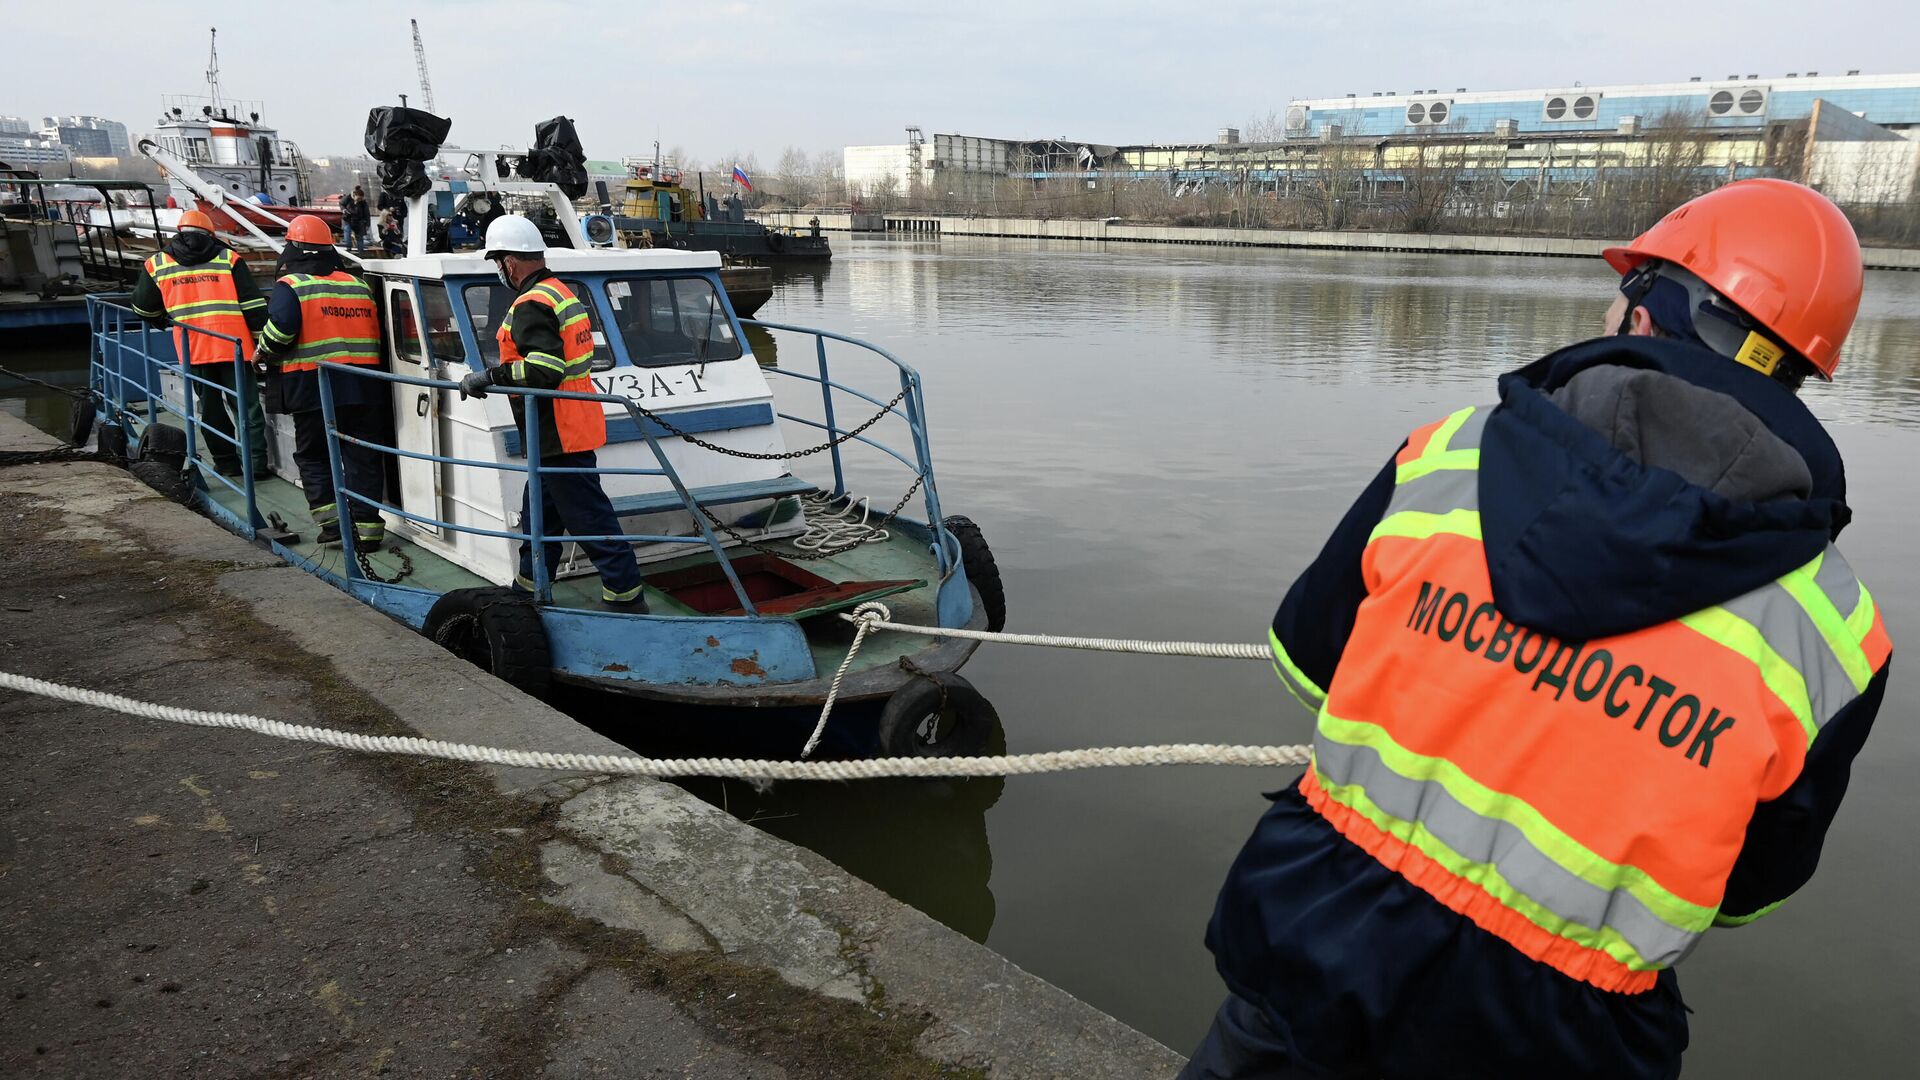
(500, 268)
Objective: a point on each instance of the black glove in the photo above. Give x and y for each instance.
(475, 384)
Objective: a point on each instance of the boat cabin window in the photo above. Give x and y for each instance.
(406, 332)
(668, 321)
(443, 334)
(487, 305)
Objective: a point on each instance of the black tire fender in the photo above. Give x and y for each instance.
(982, 572)
(497, 629)
(164, 477)
(113, 441)
(939, 715)
(159, 442)
(84, 411)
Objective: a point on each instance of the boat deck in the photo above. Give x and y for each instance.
(896, 558)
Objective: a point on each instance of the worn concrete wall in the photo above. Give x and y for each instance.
(1117, 231)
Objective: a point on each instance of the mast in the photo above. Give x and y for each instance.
(213, 67)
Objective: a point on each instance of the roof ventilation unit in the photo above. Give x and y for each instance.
(1506, 129)
(1749, 102)
(1567, 108)
(1429, 113)
(1297, 116)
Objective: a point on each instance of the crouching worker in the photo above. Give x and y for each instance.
(546, 343)
(319, 312)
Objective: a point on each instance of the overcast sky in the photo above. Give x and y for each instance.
(721, 77)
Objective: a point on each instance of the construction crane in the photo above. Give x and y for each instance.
(420, 62)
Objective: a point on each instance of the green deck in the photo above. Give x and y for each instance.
(895, 558)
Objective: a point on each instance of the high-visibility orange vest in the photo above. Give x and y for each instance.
(338, 321)
(203, 296)
(579, 425)
(1582, 800)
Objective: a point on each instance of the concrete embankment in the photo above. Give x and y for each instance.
(187, 901)
(929, 226)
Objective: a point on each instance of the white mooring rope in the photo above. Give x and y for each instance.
(874, 615)
(633, 765)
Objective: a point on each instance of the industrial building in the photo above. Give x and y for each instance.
(88, 136)
(1857, 136)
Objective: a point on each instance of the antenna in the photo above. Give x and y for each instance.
(213, 65)
(420, 61)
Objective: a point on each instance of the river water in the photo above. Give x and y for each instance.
(1155, 441)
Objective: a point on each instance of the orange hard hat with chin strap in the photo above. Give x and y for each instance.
(308, 229)
(1782, 253)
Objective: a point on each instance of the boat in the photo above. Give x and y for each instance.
(748, 563)
(228, 147)
(659, 211)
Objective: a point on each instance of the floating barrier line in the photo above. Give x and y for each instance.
(634, 765)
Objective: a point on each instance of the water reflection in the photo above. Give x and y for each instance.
(922, 842)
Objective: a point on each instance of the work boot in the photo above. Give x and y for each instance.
(330, 534)
(229, 469)
(633, 602)
(368, 535)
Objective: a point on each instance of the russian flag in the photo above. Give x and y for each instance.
(740, 177)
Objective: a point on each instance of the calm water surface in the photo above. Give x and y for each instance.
(1156, 440)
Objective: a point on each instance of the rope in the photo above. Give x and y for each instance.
(634, 765)
(878, 617)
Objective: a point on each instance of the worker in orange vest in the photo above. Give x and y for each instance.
(546, 343)
(1588, 674)
(198, 282)
(319, 313)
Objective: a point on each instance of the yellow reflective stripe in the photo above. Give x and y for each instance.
(1826, 618)
(276, 335)
(138, 310)
(1291, 675)
(1860, 623)
(545, 360)
(1488, 877)
(1742, 920)
(317, 342)
(1420, 525)
(1742, 638)
(335, 291)
(258, 301)
(1564, 850)
(1438, 455)
(580, 318)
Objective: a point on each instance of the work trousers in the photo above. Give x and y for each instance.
(217, 414)
(1242, 1045)
(575, 503)
(364, 469)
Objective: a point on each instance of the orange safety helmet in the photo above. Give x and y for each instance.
(1782, 253)
(194, 219)
(308, 229)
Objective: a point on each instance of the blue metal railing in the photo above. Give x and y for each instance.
(912, 402)
(110, 326)
(107, 323)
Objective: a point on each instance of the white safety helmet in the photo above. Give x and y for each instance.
(514, 235)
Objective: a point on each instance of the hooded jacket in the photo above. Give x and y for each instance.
(1623, 483)
(299, 391)
(191, 247)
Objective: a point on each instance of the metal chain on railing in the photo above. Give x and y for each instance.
(789, 455)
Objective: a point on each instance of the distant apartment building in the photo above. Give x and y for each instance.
(88, 136)
(32, 152)
(15, 125)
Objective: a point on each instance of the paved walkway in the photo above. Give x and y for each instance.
(192, 902)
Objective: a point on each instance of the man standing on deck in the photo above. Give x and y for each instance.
(198, 281)
(1589, 675)
(320, 313)
(546, 343)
